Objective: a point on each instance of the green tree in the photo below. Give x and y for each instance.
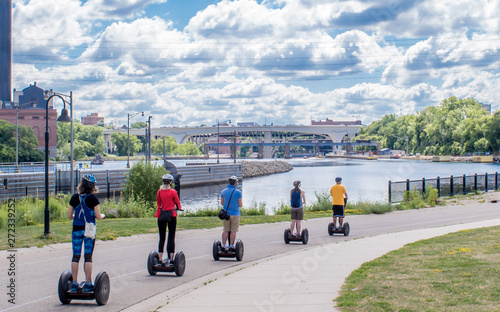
(120, 141)
(27, 144)
(188, 148)
(492, 132)
(138, 125)
(143, 182)
(171, 146)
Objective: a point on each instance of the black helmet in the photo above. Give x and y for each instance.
(89, 180)
(167, 178)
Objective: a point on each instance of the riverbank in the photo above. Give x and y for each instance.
(252, 169)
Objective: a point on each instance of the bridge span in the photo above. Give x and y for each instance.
(336, 133)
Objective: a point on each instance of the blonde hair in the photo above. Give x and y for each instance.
(165, 186)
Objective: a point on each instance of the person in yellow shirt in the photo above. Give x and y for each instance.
(339, 198)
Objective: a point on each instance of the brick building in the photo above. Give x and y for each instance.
(32, 112)
(92, 119)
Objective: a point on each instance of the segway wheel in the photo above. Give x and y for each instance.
(65, 282)
(215, 249)
(331, 228)
(102, 288)
(240, 249)
(179, 263)
(346, 228)
(286, 236)
(305, 236)
(153, 260)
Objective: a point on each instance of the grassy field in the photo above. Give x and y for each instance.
(455, 272)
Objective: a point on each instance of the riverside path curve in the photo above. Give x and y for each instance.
(132, 288)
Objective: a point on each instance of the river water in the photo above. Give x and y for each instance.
(365, 180)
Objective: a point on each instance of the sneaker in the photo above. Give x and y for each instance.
(74, 287)
(88, 287)
(165, 262)
(231, 249)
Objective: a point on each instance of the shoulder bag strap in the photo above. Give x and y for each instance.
(230, 199)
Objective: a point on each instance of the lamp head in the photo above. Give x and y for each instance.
(64, 116)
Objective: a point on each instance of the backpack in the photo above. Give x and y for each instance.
(296, 200)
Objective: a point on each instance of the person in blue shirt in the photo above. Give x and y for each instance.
(231, 200)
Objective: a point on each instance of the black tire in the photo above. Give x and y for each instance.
(240, 250)
(215, 249)
(179, 263)
(305, 236)
(346, 228)
(330, 228)
(102, 288)
(65, 282)
(153, 259)
(286, 236)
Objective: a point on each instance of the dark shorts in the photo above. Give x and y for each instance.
(338, 211)
(297, 214)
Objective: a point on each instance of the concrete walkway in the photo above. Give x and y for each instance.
(306, 280)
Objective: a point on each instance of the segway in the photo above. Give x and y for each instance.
(100, 293)
(155, 266)
(304, 236)
(219, 252)
(343, 230)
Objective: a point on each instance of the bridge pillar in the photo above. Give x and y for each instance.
(287, 150)
(268, 151)
(233, 150)
(259, 151)
(206, 150)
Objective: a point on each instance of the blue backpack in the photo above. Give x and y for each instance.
(296, 200)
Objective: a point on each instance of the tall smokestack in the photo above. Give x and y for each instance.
(6, 50)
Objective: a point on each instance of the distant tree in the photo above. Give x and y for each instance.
(120, 141)
(188, 148)
(27, 144)
(138, 125)
(171, 146)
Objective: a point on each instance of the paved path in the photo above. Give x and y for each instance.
(305, 280)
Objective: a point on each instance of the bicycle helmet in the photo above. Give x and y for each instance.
(296, 183)
(167, 178)
(89, 180)
(338, 179)
(233, 178)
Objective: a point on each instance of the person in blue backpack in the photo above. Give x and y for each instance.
(83, 207)
(297, 202)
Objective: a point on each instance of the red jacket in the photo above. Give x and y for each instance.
(166, 200)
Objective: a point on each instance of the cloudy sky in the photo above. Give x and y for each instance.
(273, 61)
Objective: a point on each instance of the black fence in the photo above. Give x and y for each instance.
(445, 186)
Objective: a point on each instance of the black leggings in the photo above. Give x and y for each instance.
(162, 228)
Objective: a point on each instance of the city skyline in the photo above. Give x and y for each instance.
(282, 62)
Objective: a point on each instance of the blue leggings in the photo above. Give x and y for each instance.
(78, 238)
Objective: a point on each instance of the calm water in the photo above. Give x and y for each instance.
(365, 180)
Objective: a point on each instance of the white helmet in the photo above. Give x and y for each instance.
(167, 178)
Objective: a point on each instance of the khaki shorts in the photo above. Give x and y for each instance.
(232, 225)
(297, 214)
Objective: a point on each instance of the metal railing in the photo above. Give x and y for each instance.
(109, 182)
(445, 186)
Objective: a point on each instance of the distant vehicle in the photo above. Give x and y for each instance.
(98, 160)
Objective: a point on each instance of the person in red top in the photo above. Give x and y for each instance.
(167, 199)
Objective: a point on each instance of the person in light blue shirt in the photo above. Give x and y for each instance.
(231, 200)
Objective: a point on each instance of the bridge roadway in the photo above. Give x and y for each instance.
(182, 134)
(124, 259)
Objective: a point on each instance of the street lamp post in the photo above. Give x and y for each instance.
(149, 138)
(128, 135)
(65, 117)
(218, 140)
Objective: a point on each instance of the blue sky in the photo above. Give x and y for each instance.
(281, 61)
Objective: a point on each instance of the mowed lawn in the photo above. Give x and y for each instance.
(454, 272)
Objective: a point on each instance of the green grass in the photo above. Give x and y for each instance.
(455, 272)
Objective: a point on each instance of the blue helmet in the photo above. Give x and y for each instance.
(338, 179)
(89, 180)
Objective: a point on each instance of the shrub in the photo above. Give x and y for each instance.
(143, 182)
